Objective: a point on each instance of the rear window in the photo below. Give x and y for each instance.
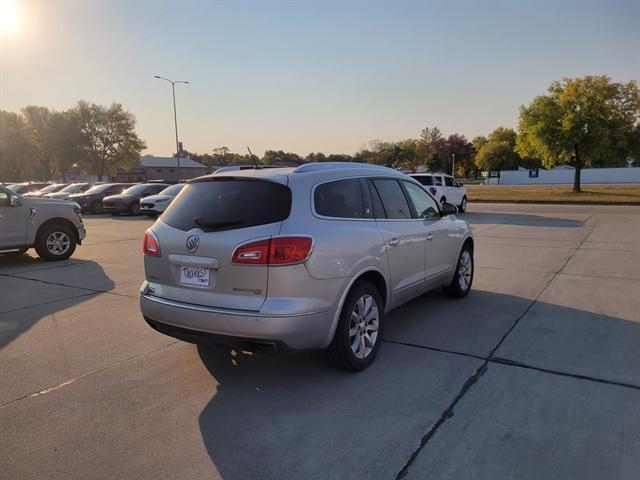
(228, 203)
(341, 199)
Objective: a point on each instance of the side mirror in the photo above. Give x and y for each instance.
(449, 209)
(460, 184)
(14, 201)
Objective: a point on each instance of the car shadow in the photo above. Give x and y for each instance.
(522, 219)
(47, 298)
(293, 416)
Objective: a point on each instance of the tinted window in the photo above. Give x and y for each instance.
(73, 188)
(173, 189)
(425, 206)
(428, 180)
(393, 200)
(226, 203)
(341, 199)
(448, 181)
(136, 189)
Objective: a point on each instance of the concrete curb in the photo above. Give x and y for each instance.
(557, 202)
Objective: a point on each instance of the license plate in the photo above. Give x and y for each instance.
(194, 276)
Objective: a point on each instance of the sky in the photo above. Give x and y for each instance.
(309, 76)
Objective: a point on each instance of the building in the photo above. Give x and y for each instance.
(169, 169)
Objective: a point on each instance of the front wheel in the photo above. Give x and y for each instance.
(460, 285)
(463, 206)
(359, 331)
(55, 242)
(96, 207)
(134, 208)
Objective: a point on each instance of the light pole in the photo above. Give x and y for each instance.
(453, 165)
(175, 116)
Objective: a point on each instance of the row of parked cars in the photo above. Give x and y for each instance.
(100, 197)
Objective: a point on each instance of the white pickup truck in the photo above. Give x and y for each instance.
(52, 227)
(443, 188)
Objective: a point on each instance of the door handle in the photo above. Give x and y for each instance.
(394, 242)
(429, 236)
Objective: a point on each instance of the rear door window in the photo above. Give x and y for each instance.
(340, 199)
(393, 200)
(227, 203)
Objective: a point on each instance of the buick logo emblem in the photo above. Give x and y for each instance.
(193, 242)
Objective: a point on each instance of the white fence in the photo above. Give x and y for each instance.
(561, 176)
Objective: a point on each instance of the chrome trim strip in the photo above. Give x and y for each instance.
(221, 311)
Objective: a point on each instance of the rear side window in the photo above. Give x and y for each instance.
(340, 199)
(227, 203)
(425, 180)
(393, 200)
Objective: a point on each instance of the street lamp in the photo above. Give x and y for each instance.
(453, 165)
(175, 116)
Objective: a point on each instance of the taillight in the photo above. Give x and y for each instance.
(432, 190)
(254, 253)
(274, 251)
(150, 244)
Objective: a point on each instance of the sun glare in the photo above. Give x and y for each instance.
(8, 16)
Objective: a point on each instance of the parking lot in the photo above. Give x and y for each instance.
(534, 375)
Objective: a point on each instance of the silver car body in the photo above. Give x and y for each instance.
(298, 305)
(22, 217)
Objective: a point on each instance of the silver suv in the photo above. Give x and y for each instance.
(306, 258)
(52, 227)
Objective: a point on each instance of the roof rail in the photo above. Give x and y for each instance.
(316, 166)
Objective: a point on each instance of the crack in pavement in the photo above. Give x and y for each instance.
(46, 282)
(92, 372)
(88, 294)
(473, 379)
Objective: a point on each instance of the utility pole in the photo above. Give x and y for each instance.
(453, 165)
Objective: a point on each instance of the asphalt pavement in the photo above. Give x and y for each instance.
(535, 375)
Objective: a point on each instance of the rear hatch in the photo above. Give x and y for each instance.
(201, 229)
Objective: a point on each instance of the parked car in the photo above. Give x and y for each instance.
(129, 200)
(70, 189)
(156, 204)
(53, 188)
(52, 227)
(91, 200)
(27, 187)
(306, 258)
(444, 187)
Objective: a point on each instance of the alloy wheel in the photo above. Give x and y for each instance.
(58, 243)
(465, 269)
(364, 326)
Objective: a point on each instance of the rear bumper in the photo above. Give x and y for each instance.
(299, 331)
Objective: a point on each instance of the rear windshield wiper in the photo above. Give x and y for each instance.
(210, 225)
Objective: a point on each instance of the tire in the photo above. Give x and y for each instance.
(463, 206)
(350, 350)
(96, 207)
(460, 285)
(134, 208)
(17, 253)
(55, 242)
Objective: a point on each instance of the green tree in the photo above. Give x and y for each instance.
(109, 139)
(583, 121)
(17, 161)
(495, 156)
(498, 151)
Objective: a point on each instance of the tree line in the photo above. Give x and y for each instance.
(588, 121)
(39, 143)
